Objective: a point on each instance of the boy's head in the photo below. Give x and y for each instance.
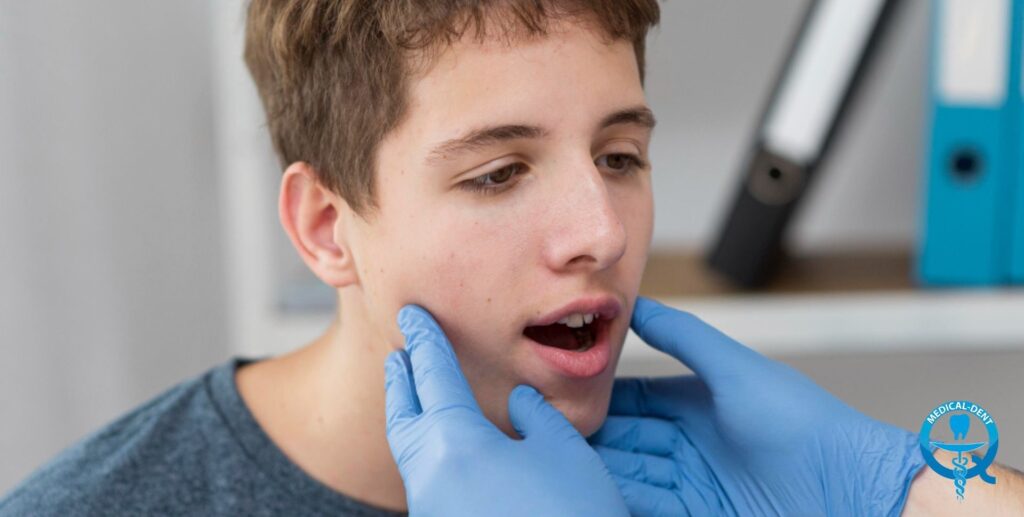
(486, 160)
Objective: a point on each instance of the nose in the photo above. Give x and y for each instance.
(585, 230)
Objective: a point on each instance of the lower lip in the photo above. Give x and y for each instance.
(585, 364)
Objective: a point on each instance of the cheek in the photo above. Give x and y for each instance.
(476, 253)
(635, 204)
(465, 272)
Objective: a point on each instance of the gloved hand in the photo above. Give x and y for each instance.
(745, 436)
(455, 462)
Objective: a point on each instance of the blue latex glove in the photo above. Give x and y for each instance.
(745, 436)
(456, 462)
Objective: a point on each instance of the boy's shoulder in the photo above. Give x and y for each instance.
(149, 460)
(194, 449)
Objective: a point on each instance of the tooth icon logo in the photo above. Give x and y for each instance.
(959, 424)
(958, 415)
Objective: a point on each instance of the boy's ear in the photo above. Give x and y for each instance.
(315, 220)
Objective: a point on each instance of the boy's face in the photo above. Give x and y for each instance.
(572, 216)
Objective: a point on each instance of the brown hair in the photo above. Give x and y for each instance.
(333, 74)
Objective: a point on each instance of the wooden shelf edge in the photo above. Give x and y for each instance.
(685, 273)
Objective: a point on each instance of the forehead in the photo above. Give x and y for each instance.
(569, 70)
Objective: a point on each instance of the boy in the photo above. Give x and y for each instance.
(485, 160)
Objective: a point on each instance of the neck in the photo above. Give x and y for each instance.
(323, 405)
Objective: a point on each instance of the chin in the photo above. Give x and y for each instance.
(586, 414)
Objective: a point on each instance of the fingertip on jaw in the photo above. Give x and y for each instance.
(393, 361)
(404, 315)
(393, 366)
(524, 390)
(644, 303)
(640, 305)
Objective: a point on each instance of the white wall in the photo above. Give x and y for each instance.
(110, 265)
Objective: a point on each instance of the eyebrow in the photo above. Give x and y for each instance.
(490, 135)
(640, 116)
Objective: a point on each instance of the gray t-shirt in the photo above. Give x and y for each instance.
(193, 450)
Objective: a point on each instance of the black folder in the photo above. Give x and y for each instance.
(811, 94)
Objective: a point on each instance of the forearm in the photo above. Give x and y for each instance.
(933, 495)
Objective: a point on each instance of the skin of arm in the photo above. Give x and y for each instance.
(932, 495)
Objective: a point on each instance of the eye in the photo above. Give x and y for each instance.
(493, 182)
(624, 163)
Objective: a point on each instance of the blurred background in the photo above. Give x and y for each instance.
(139, 242)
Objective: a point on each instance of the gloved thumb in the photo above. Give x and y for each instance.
(531, 415)
(712, 355)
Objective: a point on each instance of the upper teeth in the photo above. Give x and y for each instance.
(578, 319)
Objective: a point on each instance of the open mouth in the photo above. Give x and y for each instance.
(574, 333)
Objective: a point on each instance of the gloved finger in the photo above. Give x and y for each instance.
(712, 355)
(645, 468)
(531, 415)
(662, 397)
(638, 434)
(438, 378)
(399, 395)
(645, 500)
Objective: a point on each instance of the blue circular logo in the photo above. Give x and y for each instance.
(958, 415)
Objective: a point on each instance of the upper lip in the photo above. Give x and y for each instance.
(606, 305)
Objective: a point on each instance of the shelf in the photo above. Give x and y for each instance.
(673, 273)
(854, 322)
(836, 303)
(818, 305)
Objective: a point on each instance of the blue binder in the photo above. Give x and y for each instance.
(1017, 240)
(1016, 227)
(970, 161)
